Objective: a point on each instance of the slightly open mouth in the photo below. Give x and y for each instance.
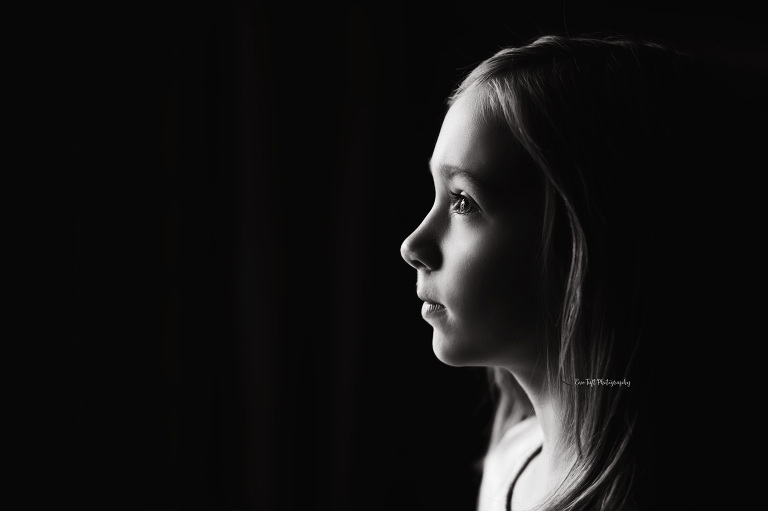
(430, 307)
(434, 306)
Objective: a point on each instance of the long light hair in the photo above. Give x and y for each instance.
(614, 127)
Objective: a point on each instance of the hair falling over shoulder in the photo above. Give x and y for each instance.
(623, 133)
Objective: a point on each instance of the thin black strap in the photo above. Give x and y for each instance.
(514, 481)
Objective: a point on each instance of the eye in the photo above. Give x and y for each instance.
(462, 205)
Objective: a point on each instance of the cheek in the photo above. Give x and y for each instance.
(494, 281)
(491, 274)
(490, 316)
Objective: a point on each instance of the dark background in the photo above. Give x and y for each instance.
(244, 332)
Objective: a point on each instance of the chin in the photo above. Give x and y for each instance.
(457, 353)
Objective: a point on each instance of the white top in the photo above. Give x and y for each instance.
(504, 462)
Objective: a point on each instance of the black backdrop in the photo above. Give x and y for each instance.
(246, 334)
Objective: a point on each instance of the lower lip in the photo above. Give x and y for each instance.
(430, 310)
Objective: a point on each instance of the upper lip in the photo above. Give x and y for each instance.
(424, 298)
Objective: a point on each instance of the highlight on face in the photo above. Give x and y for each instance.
(475, 251)
(550, 264)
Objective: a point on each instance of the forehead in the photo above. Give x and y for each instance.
(471, 139)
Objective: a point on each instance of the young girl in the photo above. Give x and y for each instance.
(572, 239)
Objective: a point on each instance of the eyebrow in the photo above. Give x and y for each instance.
(450, 171)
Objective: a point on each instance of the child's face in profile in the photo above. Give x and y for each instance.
(475, 250)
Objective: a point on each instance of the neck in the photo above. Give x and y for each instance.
(548, 470)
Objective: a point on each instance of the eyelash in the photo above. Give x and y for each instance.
(457, 199)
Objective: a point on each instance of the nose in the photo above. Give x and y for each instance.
(421, 249)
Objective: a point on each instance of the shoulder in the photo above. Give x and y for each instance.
(504, 460)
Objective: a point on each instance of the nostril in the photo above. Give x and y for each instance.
(417, 253)
(421, 249)
(407, 253)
